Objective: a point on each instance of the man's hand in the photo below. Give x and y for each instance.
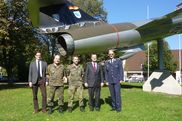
(107, 83)
(121, 81)
(86, 85)
(65, 79)
(102, 84)
(30, 84)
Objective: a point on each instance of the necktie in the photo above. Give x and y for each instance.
(38, 69)
(111, 60)
(94, 67)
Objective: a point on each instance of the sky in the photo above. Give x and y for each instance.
(136, 10)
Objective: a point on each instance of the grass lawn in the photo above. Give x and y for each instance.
(16, 105)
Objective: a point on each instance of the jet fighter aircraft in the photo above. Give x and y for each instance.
(77, 32)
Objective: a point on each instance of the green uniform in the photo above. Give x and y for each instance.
(75, 74)
(56, 84)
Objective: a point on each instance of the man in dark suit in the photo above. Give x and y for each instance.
(93, 80)
(114, 76)
(37, 78)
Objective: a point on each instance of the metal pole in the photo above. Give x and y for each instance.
(148, 59)
(179, 59)
(148, 12)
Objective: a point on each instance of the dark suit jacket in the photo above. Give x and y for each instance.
(33, 75)
(113, 71)
(93, 79)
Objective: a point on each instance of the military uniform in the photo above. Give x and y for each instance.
(75, 74)
(56, 84)
(113, 75)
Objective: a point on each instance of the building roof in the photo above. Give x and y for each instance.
(135, 62)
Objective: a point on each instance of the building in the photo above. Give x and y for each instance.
(134, 64)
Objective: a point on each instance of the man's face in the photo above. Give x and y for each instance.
(94, 57)
(57, 60)
(75, 60)
(38, 56)
(111, 54)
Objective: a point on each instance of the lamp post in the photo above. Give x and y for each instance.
(148, 61)
(148, 47)
(179, 58)
(179, 39)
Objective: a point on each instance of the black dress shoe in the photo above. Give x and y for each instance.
(35, 111)
(113, 109)
(82, 109)
(118, 110)
(69, 109)
(44, 110)
(91, 108)
(97, 109)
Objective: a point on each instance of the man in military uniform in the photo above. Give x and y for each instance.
(55, 75)
(114, 76)
(75, 73)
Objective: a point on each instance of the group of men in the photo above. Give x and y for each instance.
(93, 77)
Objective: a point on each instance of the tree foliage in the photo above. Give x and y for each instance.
(4, 23)
(92, 7)
(18, 43)
(169, 62)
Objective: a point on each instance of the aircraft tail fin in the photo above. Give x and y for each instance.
(44, 13)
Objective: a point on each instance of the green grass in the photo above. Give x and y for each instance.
(16, 105)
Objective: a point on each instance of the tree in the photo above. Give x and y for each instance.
(18, 48)
(4, 35)
(169, 62)
(92, 7)
(3, 22)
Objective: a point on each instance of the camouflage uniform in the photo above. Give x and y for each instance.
(75, 84)
(56, 84)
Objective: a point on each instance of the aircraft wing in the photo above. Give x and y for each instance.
(167, 25)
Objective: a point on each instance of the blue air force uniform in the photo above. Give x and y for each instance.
(113, 75)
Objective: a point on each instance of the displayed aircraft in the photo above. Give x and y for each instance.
(76, 32)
